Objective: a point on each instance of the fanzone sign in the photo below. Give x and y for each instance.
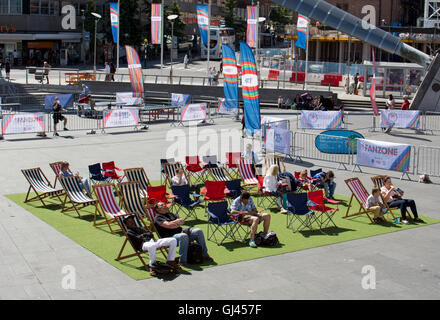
(321, 119)
(125, 117)
(383, 155)
(193, 112)
(407, 119)
(23, 123)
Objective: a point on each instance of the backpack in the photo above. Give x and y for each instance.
(270, 241)
(160, 268)
(195, 253)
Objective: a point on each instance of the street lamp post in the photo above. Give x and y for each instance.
(260, 19)
(97, 17)
(172, 18)
(83, 55)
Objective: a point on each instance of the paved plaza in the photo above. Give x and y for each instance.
(33, 255)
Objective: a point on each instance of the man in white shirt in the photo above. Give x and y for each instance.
(107, 71)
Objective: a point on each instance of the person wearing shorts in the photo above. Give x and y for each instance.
(244, 207)
(57, 116)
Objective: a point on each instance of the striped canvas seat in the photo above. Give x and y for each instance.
(40, 185)
(56, 168)
(76, 194)
(138, 175)
(170, 170)
(378, 182)
(277, 160)
(132, 195)
(219, 174)
(108, 204)
(359, 193)
(247, 175)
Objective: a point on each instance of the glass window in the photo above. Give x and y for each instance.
(44, 7)
(15, 6)
(35, 6)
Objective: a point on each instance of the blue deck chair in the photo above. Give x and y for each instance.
(220, 224)
(313, 173)
(95, 174)
(298, 210)
(235, 189)
(184, 202)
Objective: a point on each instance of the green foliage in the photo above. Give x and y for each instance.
(280, 16)
(130, 32)
(179, 25)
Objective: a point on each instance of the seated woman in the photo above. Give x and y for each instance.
(271, 184)
(305, 182)
(65, 172)
(393, 196)
(179, 180)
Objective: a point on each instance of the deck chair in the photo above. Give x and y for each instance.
(210, 162)
(110, 171)
(235, 189)
(96, 174)
(219, 174)
(316, 203)
(264, 195)
(40, 185)
(232, 159)
(378, 182)
(74, 191)
(298, 210)
(138, 222)
(56, 168)
(106, 206)
(183, 201)
(277, 160)
(138, 175)
(194, 168)
(159, 194)
(170, 170)
(214, 191)
(162, 171)
(359, 193)
(247, 175)
(315, 172)
(220, 225)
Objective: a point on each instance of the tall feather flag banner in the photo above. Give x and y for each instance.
(252, 25)
(203, 21)
(135, 70)
(301, 31)
(230, 75)
(156, 23)
(373, 88)
(249, 87)
(114, 19)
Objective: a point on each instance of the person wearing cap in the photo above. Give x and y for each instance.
(57, 116)
(143, 240)
(405, 104)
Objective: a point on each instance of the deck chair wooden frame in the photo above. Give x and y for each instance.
(76, 195)
(170, 170)
(278, 160)
(356, 186)
(243, 171)
(132, 200)
(139, 175)
(378, 182)
(41, 186)
(104, 193)
(214, 173)
(56, 168)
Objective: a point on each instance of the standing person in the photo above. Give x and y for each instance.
(107, 71)
(280, 102)
(185, 61)
(15, 55)
(243, 125)
(390, 103)
(405, 104)
(356, 82)
(57, 116)
(221, 66)
(7, 69)
(46, 69)
(112, 71)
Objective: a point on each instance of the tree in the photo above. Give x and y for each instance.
(280, 16)
(230, 18)
(179, 25)
(130, 32)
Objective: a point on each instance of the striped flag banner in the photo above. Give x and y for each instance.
(301, 31)
(135, 70)
(203, 22)
(249, 87)
(156, 23)
(230, 75)
(114, 19)
(252, 24)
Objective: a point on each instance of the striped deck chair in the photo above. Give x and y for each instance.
(170, 170)
(76, 195)
(139, 175)
(247, 175)
(378, 182)
(106, 204)
(359, 193)
(56, 168)
(219, 174)
(40, 185)
(278, 160)
(231, 161)
(133, 203)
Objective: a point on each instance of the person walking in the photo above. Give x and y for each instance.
(46, 69)
(112, 71)
(57, 116)
(7, 69)
(185, 61)
(15, 55)
(107, 71)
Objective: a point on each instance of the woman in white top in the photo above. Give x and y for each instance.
(179, 179)
(271, 184)
(390, 103)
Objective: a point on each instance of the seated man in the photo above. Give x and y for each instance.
(169, 225)
(245, 207)
(143, 240)
(65, 172)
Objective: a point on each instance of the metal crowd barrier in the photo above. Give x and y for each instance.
(344, 123)
(430, 122)
(428, 161)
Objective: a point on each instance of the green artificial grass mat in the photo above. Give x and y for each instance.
(106, 245)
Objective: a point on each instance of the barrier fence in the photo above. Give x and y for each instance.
(428, 161)
(430, 122)
(344, 121)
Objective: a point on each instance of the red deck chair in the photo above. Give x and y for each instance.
(265, 195)
(193, 166)
(110, 171)
(214, 191)
(159, 194)
(108, 204)
(56, 168)
(232, 159)
(317, 204)
(247, 175)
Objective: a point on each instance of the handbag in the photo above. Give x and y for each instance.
(195, 250)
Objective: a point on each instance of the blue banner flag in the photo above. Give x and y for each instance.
(301, 31)
(250, 91)
(114, 19)
(230, 75)
(203, 22)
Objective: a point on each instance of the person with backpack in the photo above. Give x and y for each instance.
(143, 240)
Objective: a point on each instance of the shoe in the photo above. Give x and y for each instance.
(252, 244)
(418, 220)
(208, 259)
(56, 134)
(173, 264)
(65, 129)
(405, 222)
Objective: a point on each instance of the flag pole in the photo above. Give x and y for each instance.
(161, 34)
(307, 55)
(209, 36)
(117, 42)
